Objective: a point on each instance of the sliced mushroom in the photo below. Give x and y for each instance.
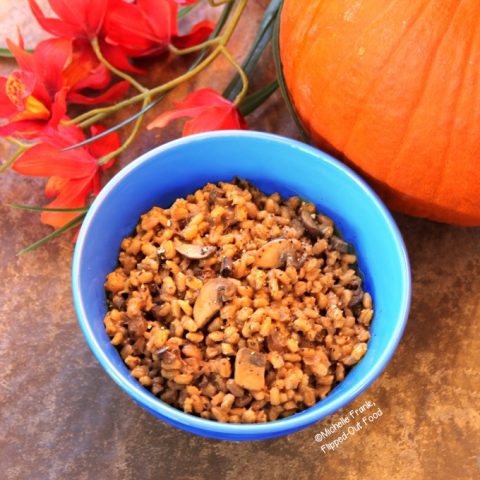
(243, 184)
(250, 369)
(212, 295)
(295, 259)
(357, 296)
(226, 267)
(275, 253)
(298, 227)
(314, 228)
(229, 218)
(195, 252)
(212, 196)
(162, 350)
(276, 341)
(338, 244)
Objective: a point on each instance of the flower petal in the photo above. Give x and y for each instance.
(72, 12)
(73, 194)
(44, 160)
(54, 185)
(26, 129)
(96, 13)
(215, 118)
(105, 145)
(85, 70)
(203, 97)
(7, 108)
(62, 135)
(208, 108)
(199, 33)
(54, 26)
(59, 107)
(23, 58)
(50, 59)
(115, 92)
(161, 16)
(166, 117)
(84, 16)
(117, 56)
(98, 77)
(126, 26)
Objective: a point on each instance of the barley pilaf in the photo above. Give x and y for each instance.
(237, 306)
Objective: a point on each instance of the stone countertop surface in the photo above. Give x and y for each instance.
(62, 417)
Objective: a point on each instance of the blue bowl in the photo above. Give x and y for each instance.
(274, 164)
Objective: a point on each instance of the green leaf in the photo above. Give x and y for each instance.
(34, 208)
(220, 24)
(185, 10)
(222, 20)
(262, 39)
(281, 78)
(250, 103)
(5, 166)
(115, 127)
(56, 233)
(6, 53)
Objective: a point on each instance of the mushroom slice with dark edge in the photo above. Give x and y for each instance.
(275, 253)
(250, 369)
(195, 252)
(210, 299)
(357, 295)
(338, 244)
(226, 267)
(314, 228)
(298, 227)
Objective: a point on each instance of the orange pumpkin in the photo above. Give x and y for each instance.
(393, 86)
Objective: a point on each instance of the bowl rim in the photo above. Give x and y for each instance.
(277, 427)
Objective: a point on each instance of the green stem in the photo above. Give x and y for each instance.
(253, 101)
(185, 51)
(128, 141)
(116, 71)
(6, 53)
(18, 143)
(68, 226)
(242, 75)
(5, 166)
(218, 3)
(261, 41)
(92, 120)
(34, 208)
(216, 32)
(186, 10)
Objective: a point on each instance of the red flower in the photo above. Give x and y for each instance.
(147, 27)
(123, 28)
(74, 174)
(208, 110)
(77, 18)
(36, 95)
(85, 71)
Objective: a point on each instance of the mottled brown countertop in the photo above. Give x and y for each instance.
(62, 417)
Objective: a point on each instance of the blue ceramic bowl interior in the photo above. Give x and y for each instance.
(274, 164)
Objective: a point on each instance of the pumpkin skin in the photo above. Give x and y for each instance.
(393, 88)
